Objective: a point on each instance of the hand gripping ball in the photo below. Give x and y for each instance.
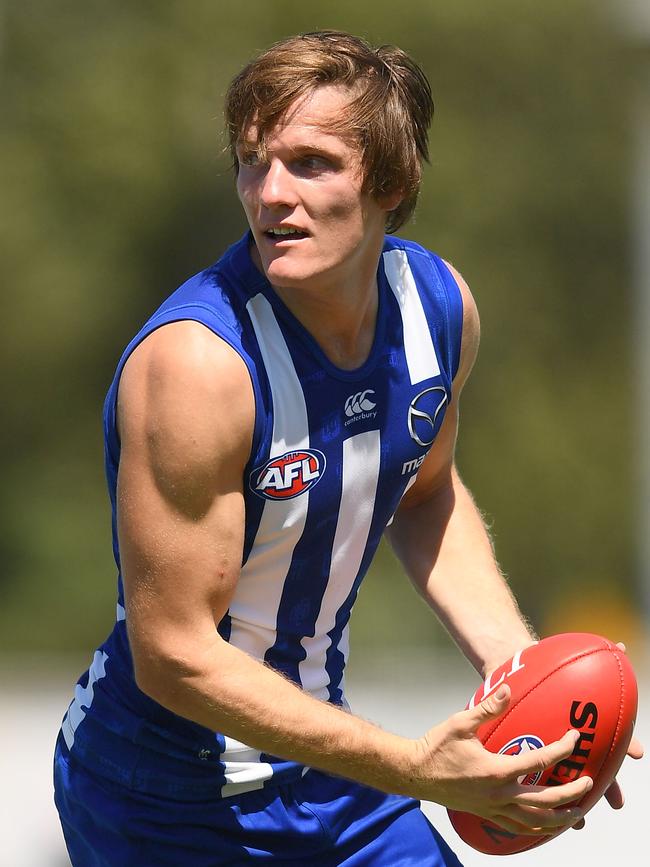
(573, 680)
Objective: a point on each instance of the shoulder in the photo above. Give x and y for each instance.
(185, 406)
(409, 248)
(433, 276)
(471, 334)
(405, 249)
(216, 295)
(443, 278)
(182, 358)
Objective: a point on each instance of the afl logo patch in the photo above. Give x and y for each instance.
(288, 475)
(523, 744)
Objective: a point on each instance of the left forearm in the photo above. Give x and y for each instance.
(445, 549)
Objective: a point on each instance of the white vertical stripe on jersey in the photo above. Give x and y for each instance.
(344, 647)
(290, 428)
(255, 605)
(361, 459)
(420, 352)
(83, 698)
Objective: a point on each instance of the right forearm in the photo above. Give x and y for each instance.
(233, 693)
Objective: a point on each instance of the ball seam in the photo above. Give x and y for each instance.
(532, 689)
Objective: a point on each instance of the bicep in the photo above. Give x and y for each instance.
(184, 443)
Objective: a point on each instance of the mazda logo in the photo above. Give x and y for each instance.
(422, 424)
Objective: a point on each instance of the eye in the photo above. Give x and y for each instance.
(313, 163)
(249, 158)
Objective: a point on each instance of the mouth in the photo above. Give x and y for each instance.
(281, 234)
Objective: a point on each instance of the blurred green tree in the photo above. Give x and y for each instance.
(116, 188)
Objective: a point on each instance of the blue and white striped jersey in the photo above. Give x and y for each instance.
(333, 452)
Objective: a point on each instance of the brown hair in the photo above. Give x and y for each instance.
(388, 116)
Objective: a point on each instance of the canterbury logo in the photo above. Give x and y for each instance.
(358, 403)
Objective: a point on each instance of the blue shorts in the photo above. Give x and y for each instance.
(320, 821)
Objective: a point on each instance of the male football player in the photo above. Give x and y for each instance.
(280, 412)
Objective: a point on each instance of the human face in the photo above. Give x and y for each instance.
(310, 185)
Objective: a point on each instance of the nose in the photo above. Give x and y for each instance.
(277, 186)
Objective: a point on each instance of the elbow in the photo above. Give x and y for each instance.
(156, 676)
(163, 673)
(150, 677)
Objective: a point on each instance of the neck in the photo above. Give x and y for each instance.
(339, 311)
(343, 327)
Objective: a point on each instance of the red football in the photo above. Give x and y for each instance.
(574, 680)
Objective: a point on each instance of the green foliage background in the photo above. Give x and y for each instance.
(115, 188)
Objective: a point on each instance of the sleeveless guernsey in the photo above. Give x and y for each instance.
(333, 452)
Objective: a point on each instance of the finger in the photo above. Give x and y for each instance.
(490, 708)
(579, 825)
(621, 646)
(532, 821)
(553, 796)
(614, 796)
(548, 820)
(536, 761)
(511, 826)
(635, 749)
(517, 828)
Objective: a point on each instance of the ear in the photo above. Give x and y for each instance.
(390, 201)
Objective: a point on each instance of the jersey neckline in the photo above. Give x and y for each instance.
(256, 280)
